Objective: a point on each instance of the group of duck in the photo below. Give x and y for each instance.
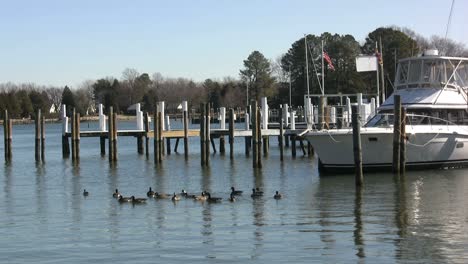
(204, 196)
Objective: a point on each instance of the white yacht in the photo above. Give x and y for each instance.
(433, 90)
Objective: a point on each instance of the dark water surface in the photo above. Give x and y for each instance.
(44, 217)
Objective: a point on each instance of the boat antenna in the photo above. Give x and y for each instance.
(448, 26)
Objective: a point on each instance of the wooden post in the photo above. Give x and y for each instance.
(293, 146)
(156, 136)
(222, 145)
(403, 142)
(396, 134)
(102, 141)
(185, 115)
(202, 135)
(339, 117)
(146, 126)
(110, 137)
(139, 144)
(114, 136)
(359, 180)
(73, 133)
(37, 134)
(160, 137)
(254, 134)
(281, 136)
(77, 137)
(310, 151)
(301, 143)
(168, 146)
(266, 143)
(259, 140)
(10, 139)
(207, 134)
(248, 144)
(43, 139)
(176, 145)
(6, 135)
(231, 133)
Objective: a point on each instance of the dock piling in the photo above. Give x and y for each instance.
(37, 143)
(359, 180)
(185, 116)
(231, 133)
(396, 134)
(146, 127)
(403, 141)
(43, 139)
(110, 136)
(281, 136)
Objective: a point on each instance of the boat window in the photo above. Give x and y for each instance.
(432, 73)
(414, 72)
(381, 120)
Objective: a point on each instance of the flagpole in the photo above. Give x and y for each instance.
(377, 75)
(323, 74)
(382, 69)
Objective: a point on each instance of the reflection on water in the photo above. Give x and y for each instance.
(420, 218)
(358, 238)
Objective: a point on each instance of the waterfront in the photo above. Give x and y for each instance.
(44, 217)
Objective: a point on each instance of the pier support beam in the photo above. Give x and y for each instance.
(185, 116)
(359, 180)
(231, 133)
(37, 143)
(396, 134)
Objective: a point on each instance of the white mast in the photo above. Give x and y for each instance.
(307, 64)
(382, 70)
(377, 75)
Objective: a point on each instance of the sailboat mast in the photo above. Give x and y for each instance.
(382, 70)
(307, 64)
(377, 75)
(323, 74)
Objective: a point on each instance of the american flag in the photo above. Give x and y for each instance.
(379, 57)
(329, 62)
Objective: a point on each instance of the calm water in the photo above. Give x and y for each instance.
(45, 219)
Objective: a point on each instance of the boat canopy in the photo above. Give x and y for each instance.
(432, 72)
(431, 82)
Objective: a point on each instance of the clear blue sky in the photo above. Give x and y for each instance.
(66, 42)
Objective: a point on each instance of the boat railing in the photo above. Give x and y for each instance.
(386, 120)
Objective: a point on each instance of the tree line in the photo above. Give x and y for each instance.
(259, 76)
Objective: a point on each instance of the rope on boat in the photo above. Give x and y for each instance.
(425, 144)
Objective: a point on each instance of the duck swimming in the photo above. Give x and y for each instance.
(137, 200)
(232, 198)
(124, 199)
(161, 195)
(278, 195)
(213, 199)
(116, 194)
(201, 197)
(175, 198)
(256, 194)
(186, 195)
(235, 192)
(150, 193)
(85, 192)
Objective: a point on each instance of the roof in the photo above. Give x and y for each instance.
(427, 98)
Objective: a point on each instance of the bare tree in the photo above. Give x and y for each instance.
(55, 97)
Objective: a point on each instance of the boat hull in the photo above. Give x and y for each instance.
(438, 147)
